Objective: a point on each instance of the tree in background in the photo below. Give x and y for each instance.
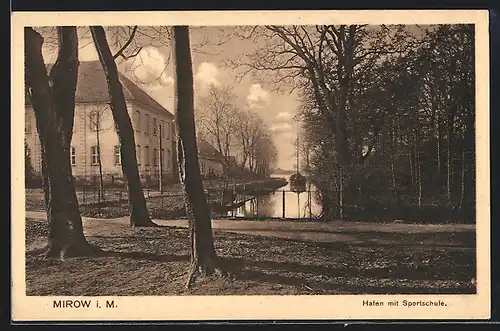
(97, 116)
(266, 156)
(389, 114)
(217, 119)
(235, 132)
(250, 134)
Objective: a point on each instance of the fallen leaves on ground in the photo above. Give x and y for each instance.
(154, 261)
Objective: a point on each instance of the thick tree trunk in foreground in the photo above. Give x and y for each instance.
(54, 111)
(203, 256)
(139, 215)
(175, 165)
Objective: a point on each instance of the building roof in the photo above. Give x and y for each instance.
(206, 150)
(93, 87)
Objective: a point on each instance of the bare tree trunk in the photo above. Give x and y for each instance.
(394, 185)
(99, 160)
(449, 167)
(341, 193)
(160, 173)
(45, 180)
(393, 173)
(382, 144)
(225, 183)
(467, 183)
(251, 164)
(309, 200)
(139, 215)
(203, 255)
(175, 164)
(309, 193)
(436, 126)
(298, 206)
(438, 146)
(410, 158)
(462, 186)
(329, 207)
(418, 167)
(54, 111)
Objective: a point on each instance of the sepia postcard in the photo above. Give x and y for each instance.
(250, 165)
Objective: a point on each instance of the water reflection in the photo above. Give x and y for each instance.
(303, 205)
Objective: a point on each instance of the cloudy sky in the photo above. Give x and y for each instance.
(152, 70)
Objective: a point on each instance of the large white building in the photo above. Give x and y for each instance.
(153, 125)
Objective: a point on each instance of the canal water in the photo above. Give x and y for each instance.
(303, 205)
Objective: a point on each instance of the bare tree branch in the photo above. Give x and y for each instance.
(127, 43)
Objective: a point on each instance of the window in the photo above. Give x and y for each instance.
(202, 168)
(94, 121)
(117, 155)
(146, 130)
(27, 123)
(137, 121)
(169, 158)
(94, 154)
(154, 126)
(146, 156)
(162, 130)
(162, 155)
(73, 156)
(155, 157)
(138, 154)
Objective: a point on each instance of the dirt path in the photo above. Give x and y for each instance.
(155, 261)
(359, 233)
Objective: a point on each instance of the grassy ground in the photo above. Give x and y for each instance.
(154, 261)
(168, 205)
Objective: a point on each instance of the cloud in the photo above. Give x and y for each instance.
(284, 116)
(167, 80)
(280, 127)
(258, 97)
(149, 68)
(164, 81)
(207, 74)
